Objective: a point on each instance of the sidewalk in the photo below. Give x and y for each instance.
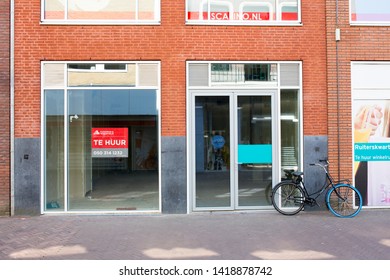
(314, 235)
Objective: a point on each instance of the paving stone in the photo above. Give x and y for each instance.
(203, 236)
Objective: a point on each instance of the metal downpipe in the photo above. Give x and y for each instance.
(12, 105)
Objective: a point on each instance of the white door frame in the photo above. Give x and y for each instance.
(233, 95)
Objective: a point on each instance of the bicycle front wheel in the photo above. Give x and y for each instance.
(344, 201)
(288, 198)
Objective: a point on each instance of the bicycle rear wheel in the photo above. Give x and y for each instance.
(344, 201)
(288, 198)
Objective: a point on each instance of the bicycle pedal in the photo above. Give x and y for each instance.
(314, 203)
(311, 202)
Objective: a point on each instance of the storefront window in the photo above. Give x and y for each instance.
(243, 11)
(371, 131)
(101, 10)
(370, 12)
(101, 139)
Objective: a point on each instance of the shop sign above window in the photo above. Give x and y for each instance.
(372, 12)
(249, 12)
(101, 11)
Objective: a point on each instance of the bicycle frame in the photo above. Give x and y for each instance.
(329, 183)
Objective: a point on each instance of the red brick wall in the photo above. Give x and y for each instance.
(358, 43)
(5, 108)
(173, 43)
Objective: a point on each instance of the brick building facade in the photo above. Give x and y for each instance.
(5, 55)
(356, 75)
(290, 70)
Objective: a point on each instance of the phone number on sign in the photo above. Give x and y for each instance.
(107, 153)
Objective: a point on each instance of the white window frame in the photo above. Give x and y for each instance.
(65, 21)
(365, 23)
(240, 21)
(65, 87)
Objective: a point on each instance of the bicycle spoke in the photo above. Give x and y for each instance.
(290, 196)
(287, 198)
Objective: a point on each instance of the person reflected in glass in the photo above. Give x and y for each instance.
(218, 143)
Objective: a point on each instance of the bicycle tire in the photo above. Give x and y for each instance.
(344, 201)
(288, 198)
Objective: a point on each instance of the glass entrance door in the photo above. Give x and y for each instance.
(233, 147)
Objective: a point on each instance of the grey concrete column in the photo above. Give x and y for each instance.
(27, 190)
(173, 175)
(315, 149)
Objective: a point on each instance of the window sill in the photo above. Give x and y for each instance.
(98, 22)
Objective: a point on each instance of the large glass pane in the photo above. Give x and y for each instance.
(101, 9)
(110, 10)
(212, 151)
(254, 115)
(287, 10)
(257, 10)
(146, 10)
(54, 10)
(112, 150)
(54, 150)
(289, 122)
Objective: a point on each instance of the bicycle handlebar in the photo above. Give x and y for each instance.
(323, 166)
(319, 164)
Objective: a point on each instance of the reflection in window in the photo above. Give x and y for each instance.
(101, 10)
(54, 150)
(289, 123)
(363, 11)
(212, 151)
(243, 73)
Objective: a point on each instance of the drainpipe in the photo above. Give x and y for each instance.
(12, 90)
(337, 35)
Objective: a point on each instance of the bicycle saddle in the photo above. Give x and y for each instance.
(292, 172)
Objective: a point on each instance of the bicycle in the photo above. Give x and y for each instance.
(290, 196)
